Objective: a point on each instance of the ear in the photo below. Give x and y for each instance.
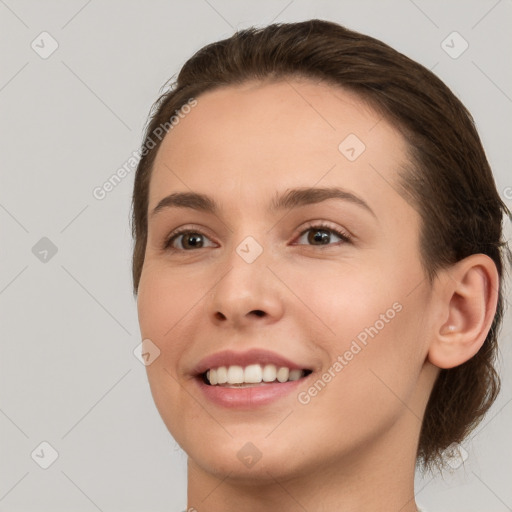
(469, 295)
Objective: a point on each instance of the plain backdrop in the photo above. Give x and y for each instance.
(77, 79)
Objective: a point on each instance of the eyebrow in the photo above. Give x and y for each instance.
(293, 198)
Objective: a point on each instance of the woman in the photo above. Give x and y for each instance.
(318, 261)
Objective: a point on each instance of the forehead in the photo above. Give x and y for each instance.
(247, 141)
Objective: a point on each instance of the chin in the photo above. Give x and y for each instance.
(249, 459)
(267, 469)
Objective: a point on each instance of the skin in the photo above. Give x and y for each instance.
(353, 446)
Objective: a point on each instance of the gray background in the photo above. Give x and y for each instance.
(69, 324)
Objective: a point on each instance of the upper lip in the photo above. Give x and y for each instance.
(252, 356)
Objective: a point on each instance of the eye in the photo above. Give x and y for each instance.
(187, 240)
(322, 235)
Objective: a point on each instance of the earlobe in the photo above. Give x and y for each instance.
(468, 298)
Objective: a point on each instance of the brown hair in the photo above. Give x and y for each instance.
(449, 180)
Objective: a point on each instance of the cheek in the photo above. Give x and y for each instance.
(368, 323)
(368, 381)
(381, 360)
(166, 306)
(343, 299)
(164, 300)
(167, 309)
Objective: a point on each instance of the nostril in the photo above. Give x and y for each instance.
(257, 312)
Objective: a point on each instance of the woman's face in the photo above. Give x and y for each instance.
(327, 281)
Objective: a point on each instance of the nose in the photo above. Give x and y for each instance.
(246, 294)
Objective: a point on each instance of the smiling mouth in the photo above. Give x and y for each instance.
(253, 375)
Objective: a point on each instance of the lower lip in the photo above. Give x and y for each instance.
(250, 397)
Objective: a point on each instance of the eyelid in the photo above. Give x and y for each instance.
(343, 233)
(189, 228)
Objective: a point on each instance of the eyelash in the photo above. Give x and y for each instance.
(344, 236)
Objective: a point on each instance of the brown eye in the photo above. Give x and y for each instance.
(186, 241)
(319, 236)
(192, 240)
(322, 235)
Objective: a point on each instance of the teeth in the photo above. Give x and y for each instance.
(222, 375)
(283, 374)
(252, 374)
(269, 373)
(295, 374)
(235, 374)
